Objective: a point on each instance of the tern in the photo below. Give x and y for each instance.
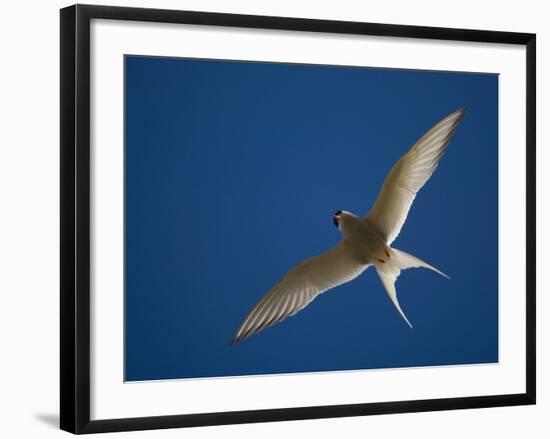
(365, 240)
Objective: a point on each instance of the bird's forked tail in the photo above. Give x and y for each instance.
(389, 272)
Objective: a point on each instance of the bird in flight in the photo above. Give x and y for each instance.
(365, 240)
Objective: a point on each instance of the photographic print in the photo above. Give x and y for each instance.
(292, 218)
(267, 219)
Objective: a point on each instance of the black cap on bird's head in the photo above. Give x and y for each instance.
(336, 218)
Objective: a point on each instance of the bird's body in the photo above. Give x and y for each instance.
(365, 241)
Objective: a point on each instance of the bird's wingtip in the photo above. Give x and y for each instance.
(459, 114)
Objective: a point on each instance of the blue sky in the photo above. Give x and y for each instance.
(232, 173)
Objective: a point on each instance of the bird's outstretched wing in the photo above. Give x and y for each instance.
(300, 286)
(408, 176)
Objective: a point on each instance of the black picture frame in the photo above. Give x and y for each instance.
(75, 217)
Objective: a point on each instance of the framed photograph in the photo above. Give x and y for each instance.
(268, 218)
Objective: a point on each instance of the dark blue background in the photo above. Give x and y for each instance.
(233, 172)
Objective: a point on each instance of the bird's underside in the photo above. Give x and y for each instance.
(366, 240)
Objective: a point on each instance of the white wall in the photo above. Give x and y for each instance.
(29, 200)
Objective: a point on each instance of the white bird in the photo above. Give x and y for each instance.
(366, 240)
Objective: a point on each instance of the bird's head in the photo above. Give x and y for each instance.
(336, 218)
(343, 219)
